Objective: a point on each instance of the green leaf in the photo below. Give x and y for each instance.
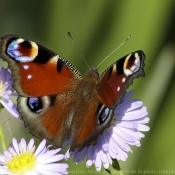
(108, 171)
(115, 164)
(2, 139)
(1, 107)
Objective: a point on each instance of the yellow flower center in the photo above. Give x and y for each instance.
(1, 85)
(21, 163)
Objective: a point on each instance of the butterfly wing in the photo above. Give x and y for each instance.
(105, 95)
(116, 79)
(36, 70)
(46, 84)
(49, 117)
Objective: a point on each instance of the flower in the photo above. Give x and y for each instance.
(23, 159)
(6, 90)
(130, 117)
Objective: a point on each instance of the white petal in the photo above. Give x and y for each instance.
(143, 128)
(106, 164)
(12, 151)
(130, 132)
(127, 124)
(15, 145)
(7, 155)
(121, 132)
(109, 159)
(30, 145)
(132, 115)
(98, 162)
(51, 158)
(112, 154)
(23, 145)
(40, 148)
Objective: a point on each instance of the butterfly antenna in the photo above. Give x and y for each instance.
(78, 50)
(115, 49)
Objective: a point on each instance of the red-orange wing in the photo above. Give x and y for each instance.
(116, 79)
(46, 85)
(36, 70)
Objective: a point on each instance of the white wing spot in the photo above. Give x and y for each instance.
(137, 63)
(118, 89)
(25, 67)
(123, 79)
(54, 59)
(29, 76)
(128, 72)
(137, 60)
(133, 68)
(114, 68)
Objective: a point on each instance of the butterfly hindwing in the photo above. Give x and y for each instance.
(48, 117)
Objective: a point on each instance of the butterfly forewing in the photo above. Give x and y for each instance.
(37, 71)
(116, 79)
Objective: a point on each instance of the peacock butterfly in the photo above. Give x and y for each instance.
(56, 102)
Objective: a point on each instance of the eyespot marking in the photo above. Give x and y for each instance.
(35, 104)
(22, 50)
(131, 64)
(103, 116)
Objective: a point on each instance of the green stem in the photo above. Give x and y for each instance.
(2, 139)
(120, 173)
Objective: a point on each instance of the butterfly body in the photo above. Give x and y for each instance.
(56, 102)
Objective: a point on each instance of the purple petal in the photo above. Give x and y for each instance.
(104, 141)
(10, 108)
(90, 155)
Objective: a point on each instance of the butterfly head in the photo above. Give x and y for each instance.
(94, 73)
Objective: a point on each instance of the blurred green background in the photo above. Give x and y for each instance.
(98, 27)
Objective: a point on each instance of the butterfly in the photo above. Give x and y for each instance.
(55, 102)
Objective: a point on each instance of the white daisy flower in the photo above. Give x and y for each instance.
(6, 90)
(130, 117)
(23, 159)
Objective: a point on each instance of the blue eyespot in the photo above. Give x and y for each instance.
(35, 104)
